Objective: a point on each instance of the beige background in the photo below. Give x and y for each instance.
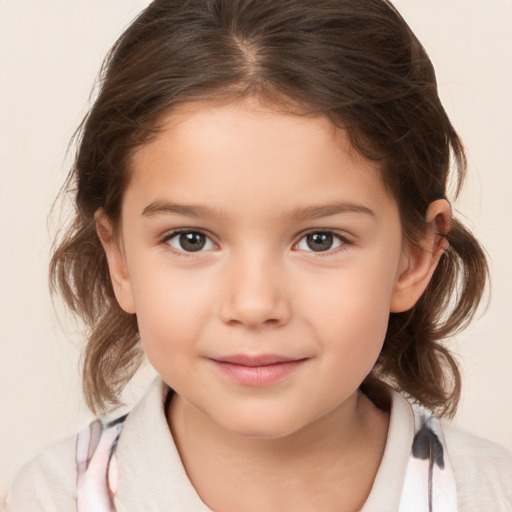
(50, 53)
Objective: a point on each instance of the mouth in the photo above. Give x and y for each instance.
(254, 371)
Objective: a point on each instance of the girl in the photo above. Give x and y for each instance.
(261, 209)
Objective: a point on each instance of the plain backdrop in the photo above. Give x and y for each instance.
(50, 53)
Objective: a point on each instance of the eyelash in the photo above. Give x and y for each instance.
(344, 241)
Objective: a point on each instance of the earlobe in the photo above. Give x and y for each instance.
(116, 261)
(420, 260)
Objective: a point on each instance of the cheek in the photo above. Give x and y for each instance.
(354, 331)
(172, 308)
(354, 294)
(350, 311)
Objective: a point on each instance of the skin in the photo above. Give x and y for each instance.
(257, 287)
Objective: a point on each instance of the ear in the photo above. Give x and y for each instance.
(420, 260)
(116, 261)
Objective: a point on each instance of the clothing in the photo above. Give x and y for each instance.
(429, 483)
(152, 478)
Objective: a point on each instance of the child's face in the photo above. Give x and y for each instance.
(248, 286)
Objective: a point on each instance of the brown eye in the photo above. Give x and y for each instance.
(320, 241)
(189, 241)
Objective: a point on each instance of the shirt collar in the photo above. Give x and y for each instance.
(152, 476)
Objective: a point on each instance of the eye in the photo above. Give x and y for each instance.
(320, 241)
(189, 241)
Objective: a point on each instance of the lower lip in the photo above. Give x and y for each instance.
(258, 375)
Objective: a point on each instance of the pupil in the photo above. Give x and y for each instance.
(192, 241)
(319, 241)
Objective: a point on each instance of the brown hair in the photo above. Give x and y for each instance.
(355, 61)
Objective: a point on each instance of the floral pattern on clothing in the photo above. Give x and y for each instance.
(97, 466)
(429, 484)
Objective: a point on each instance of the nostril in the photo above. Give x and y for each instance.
(255, 315)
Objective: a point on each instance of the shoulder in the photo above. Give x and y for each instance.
(47, 482)
(482, 469)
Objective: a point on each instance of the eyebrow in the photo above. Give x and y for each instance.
(326, 210)
(187, 210)
(300, 213)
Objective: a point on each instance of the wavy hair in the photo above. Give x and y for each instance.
(356, 62)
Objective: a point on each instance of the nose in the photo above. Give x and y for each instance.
(254, 293)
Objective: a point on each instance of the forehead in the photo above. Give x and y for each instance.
(243, 154)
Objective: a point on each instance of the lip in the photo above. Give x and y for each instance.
(256, 370)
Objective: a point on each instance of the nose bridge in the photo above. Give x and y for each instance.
(255, 292)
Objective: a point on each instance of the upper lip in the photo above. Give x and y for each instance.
(256, 360)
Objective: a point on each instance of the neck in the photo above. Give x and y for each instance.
(295, 472)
